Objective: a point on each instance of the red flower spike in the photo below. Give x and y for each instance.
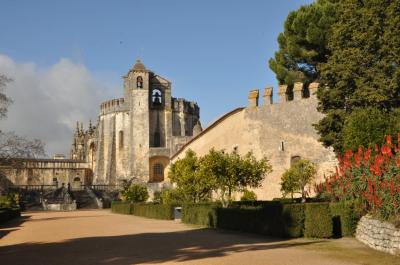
(389, 140)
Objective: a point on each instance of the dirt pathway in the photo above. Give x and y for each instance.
(100, 237)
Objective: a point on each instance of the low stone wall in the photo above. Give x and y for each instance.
(379, 235)
(59, 207)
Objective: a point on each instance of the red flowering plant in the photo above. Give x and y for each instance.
(370, 177)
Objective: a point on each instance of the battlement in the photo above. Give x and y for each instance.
(286, 93)
(113, 105)
(182, 105)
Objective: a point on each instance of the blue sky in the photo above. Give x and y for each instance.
(214, 52)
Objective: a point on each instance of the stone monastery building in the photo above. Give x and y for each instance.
(137, 134)
(140, 134)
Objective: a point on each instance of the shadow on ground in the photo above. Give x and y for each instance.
(12, 225)
(141, 248)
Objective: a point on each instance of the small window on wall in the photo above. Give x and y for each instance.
(294, 160)
(139, 82)
(121, 139)
(158, 172)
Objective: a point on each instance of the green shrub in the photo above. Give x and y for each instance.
(7, 214)
(200, 214)
(172, 196)
(121, 207)
(248, 195)
(292, 219)
(318, 220)
(156, 211)
(269, 218)
(135, 193)
(263, 217)
(344, 218)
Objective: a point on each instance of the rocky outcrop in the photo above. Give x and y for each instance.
(382, 236)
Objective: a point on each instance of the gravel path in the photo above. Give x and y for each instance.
(100, 237)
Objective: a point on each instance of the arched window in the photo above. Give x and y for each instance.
(156, 97)
(139, 82)
(121, 139)
(157, 140)
(77, 178)
(158, 172)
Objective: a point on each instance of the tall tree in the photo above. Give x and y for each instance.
(303, 43)
(363, 68)
(352, 47)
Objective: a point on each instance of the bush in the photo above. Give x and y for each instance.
(269, 218)
(263, 217)
(135, 193)
(7, 214)
(248, 195)
(200, 214)
(318, 220)
(344, 218)
(121, 207)
(156, 211)
(293, 220)
(172, 196)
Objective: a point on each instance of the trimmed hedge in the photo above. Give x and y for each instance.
(122, 207)
(318, 220)
(345, 218)
(200, 214)
(149, 210)
(7, 214)
(271, 218)
(156, 211)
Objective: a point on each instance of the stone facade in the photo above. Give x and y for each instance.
(281, 132)
(136, 135)
(379, 235)
(48, 172)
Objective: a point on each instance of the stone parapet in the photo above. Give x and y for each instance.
(113, 105)
(267, 96)
(379, 235)
(253, 98)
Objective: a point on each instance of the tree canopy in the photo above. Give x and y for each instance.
(303, 43)
(297, 177)
(218, 171)
(352, 47)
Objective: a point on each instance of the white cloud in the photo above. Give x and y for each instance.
(48, 102)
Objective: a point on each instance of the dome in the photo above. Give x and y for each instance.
(139, 66)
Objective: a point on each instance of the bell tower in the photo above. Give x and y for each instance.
(136, 88)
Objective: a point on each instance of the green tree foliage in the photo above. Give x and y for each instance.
(248, 195)
(303, 44)
(297, 177)
(185, 174)
(218, 171)
(363, 68)
(353, 48)
(232, 172)
(367, 127)
(172, 196)
(135, 193)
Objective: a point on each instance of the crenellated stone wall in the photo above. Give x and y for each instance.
(382, 236)
(281, 132)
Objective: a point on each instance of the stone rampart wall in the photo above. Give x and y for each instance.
(379, 235)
